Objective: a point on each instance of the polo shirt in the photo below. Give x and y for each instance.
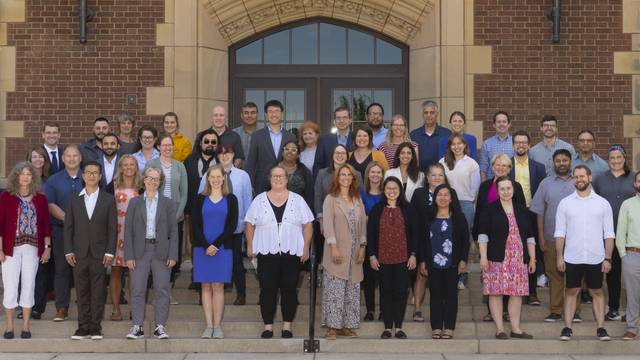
(545, 201)
(60, 186)
(428, 144)
(543, 153)
(594, 162)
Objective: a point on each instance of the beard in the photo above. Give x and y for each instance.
(209, 151)
(562, 170)
(109, 152)
(581, 186)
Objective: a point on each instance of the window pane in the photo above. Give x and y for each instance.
(250, 54)
(275, 95)
(305, 44)
(385, 98)
(276, 48)
(294, 109)
(361, 99)
(387, 53)
(360, 47)
(333, 44)
(256, 96)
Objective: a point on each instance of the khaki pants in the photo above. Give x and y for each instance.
(556, 280)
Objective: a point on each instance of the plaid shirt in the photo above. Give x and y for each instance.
(492, 147)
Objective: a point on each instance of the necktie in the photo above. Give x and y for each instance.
(229, 184)
(54, 162)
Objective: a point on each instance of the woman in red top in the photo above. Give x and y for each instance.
(25, 235)
(391, 246)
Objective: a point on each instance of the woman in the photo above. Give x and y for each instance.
(147, 136)
(212, 246)
(309, 143)
(26, 239)
(443, 256)
(37, 158)
(458, 122)
(299, 178)
(345, 241)
(363, 152)
(507, 256)
(405, 169)
(182, 145)
(399, 134)
(616, 185)
(128, 143)
(127, 182)
(392, 247)
(278, 231)
(175, 186)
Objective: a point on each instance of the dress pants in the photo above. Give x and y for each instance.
(394, 280)
(368, 284)
(62, 279)
(161, 286)
(278, 273)
(614, 281)
(239, 271)
(176, 268)
(44, 284)
(89, 276)
(444, 298)
(631, 271)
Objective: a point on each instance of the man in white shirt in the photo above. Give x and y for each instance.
(583, 220)
(51, 137)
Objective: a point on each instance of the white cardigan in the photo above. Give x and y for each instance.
(268, 238)
(411, 185)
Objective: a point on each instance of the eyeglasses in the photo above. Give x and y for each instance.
(147, 137)
(151, 178)
(278, 177)
(521, 143)
(92, 173)
(207, 142)
(291, 150)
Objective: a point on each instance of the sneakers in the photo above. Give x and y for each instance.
(585, 297)
(81, 334)
(602, 334)
(217, 333)
(461, 285)
(613, 315)
(553, 317)
(160, 333)
(628, 335)
(207, 333)
(96, 335)
(62, 314)
(542, 281)
(577, 318)
(566, 334)
(533, 300)
(417, 316)
(135, 333)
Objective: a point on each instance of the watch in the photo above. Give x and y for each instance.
(47, 246)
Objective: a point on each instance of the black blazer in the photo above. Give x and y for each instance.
(421, 209)
(230, 224)
(103, 181)
(537, 173)
(373, 229)
(495, 224)
(324, 152)
(90, 237)
(59, 153)
(261, 157)
(481, 202)
(193, 179)
(460, 239)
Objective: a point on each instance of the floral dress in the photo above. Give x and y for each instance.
(123, 196)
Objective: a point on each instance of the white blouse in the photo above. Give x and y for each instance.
(411, 185)
(268, 237)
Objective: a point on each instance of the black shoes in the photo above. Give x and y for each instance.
(8, 335)
(25, 334)
(566, 334)
(385, 335)
(613, 315)
(400, 335)
(267, 334)
(602, 334)
(368, 316)
(553, 317)
(522, 335)
(286, 334)
(81, 334)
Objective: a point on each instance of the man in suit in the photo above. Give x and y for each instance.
(90, 230)
(51, 137)
(327, 142)
(529, 174)
(109, 161)
(266, 146)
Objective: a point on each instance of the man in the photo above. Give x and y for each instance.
(375, 120)
(225, 135)
(545, 204)
(51, 137)
(249, 125)
(500, 143)
(584, 219)
(586, 156)
(542, 152)
(327, 142)
(92, 149)
(528, 173)
(90, 232)
(109, 161)
(428, 136)
(628, 245)
(198, 163)
(266, 146)
(60, 187)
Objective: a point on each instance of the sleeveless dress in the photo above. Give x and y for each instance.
(213, 269)
(123, 196)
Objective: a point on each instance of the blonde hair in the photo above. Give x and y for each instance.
(406, 137)
(118, 178)
(207, 186)
(502, 157)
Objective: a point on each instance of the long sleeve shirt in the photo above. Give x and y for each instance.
(628, 231)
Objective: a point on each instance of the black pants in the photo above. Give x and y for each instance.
(44, 284)
(394, 280)
(533, 278)
(89, 275)
(443, 287)
(318, 242)
(62, 281)
(278, 273)
(614, 280)
(238, 267)
(368, 284)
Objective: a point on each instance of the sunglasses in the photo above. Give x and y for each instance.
(207, 142)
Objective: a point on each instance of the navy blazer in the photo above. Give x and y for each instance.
(103, 181)
(537, 173)
(324, 152)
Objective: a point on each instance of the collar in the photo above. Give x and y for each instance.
(78, 174)
(553, 144)
(525, 162)
(275, 133)
(106, 161)
(226, 128)
(499, 138)
(592, 194)
(84, 192)
(178, 136)
(155, 197)
(577, 157)
(49, 150)
(561, 179)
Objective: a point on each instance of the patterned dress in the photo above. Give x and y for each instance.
(123, 196)
(509, 277)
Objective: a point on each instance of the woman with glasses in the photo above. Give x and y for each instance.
(398, 134)
(147, 136)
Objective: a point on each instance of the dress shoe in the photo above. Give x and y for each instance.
(240, 300)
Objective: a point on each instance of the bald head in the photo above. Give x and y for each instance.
(218, 118)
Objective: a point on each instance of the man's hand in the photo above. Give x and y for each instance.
(71, 259)
(106, 260)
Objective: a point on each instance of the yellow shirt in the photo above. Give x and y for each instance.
(181, 147)
(522, 177)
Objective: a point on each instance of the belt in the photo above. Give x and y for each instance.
(150, 241)
(633, 249)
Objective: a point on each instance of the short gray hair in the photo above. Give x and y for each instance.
(430, 103)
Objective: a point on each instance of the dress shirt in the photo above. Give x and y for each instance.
(142, 161)
(109, 168)
(491, 147)
(628, 230)
(343, 140)
(594, 162)
(543, 153)
(428, 145)
(545, 201)
(276, 140)
(464, 178)
(245, 138)
(522, 176)
(584, 223)
(378, 137)
(152, 207)
(90, 200)
(50, 150)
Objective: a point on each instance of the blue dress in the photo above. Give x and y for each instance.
(213, 269)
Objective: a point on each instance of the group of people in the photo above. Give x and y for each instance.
(384, 208)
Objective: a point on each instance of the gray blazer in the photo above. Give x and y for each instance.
(261, 157)
(90, 237)
(135, 229)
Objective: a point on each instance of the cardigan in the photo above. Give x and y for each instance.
(226, 238)
(411, 185)
(9, 220)
(460, 238)
(420, 206)
(179, 186)
(373, 229)
(495, 225)
(181, 147)
(481, 202)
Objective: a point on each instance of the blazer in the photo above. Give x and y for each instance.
(537, 173)
(324, 153)
(103, 181)
(322, 182)
(226, 238)
(411, 185)
(135, 229)
(179, 186)
(9, 220)
(193, 179)
(460, 238)
(261, 157)
(90, 237)
(338, 231)
(481, 202)
(373, 229)
(424, 211)
(495, 224)
(58, 155)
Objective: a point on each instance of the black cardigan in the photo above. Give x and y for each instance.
(230, 224)
(373, 229)
(421, 209)
(460, 239)
(495, 224)
(481, 202)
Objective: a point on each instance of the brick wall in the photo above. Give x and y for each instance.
(59, 79)
(572, 79)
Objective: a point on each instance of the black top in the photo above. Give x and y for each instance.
(460, 238)
(278, 211)
(423, 204)
(373, 229)
(495, 224)
(360, 167)
(230, 224)
(481, 202)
